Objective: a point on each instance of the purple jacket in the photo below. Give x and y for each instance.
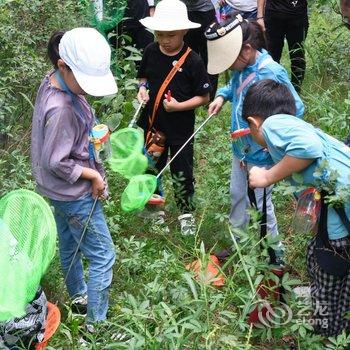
(60, 144)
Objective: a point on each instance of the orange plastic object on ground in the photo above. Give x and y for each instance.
(211, 274)
(53, 320)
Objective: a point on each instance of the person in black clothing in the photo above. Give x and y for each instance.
(190, 88)
(203, 12)
(288, 19)
(134, 11)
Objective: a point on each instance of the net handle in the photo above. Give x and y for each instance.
(134, 118)
(82, 236)
(185, 144)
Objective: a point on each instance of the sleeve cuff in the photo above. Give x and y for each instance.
(75, 175)
(150, 3)
(221, 94)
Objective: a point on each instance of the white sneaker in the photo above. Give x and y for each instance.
(188, 225)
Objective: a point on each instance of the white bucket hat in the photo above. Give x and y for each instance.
(169, 15)
(88, 55)
(224, 43)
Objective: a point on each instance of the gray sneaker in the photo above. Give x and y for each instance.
(187, 224)
(156, 216)
(79, 305)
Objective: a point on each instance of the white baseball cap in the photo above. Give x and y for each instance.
(169, 15)
(88, 55)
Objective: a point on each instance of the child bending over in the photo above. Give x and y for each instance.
(297, 147)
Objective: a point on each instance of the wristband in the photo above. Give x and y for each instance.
(262, 17)
(143, 84)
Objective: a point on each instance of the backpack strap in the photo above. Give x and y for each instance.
(263, 221)
(322, 231)
(252, 76)
(345, 220)
(161, 91)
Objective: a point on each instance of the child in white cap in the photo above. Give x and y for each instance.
(171, 101)
(64, 165)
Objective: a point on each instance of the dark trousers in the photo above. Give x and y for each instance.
(135, 10)
(196, 40)
(294, 29)
(182, 173)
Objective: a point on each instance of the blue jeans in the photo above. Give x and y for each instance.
(229, 10)
(250, 15)
(97, 246)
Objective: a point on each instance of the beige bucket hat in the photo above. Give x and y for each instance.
(224, 43)
(169, 15)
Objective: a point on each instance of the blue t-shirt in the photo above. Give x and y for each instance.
(288, 135)
(264, 67)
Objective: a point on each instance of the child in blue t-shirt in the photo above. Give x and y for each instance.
(239, 45)
(321, 162)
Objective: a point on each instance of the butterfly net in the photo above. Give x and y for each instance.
(138, 192)
(127, 152)
(27, 245)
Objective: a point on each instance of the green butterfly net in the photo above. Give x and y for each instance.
(27, 245)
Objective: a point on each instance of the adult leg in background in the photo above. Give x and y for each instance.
(250, 15)
(275, 34)
(296, 34)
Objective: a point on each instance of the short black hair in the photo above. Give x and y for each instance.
(266, 98)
